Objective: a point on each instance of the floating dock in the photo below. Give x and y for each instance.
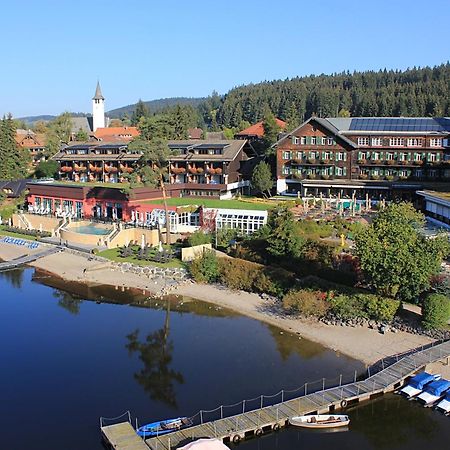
(272, 418)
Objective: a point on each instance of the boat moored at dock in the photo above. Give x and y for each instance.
(444, 404)
(163, 427)
(417, 384)
(433, 392)
(320, 421)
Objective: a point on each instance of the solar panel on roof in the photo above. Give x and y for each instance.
(217, 145)
(400, 124)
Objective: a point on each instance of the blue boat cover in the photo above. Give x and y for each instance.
(420, 380)
(437, 388)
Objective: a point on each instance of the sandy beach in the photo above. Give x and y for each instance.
(364, 344)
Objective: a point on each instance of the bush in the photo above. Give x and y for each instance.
(199, 238)
(307, 302)
(435, 311)
(347, 307)
(379, 308)
(252, 277)
(205, 269)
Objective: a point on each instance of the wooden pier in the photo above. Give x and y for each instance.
(271, 418)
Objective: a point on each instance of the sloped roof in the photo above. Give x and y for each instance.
(31, 139)
(195, 133)
(98, 93)
(230, 149)
(116, 132)
(13, 188)
(81, 123)
(258, 129)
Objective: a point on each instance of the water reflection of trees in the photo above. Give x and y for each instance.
(68, 301)
(288, 344)
(14, 277)
(392, 422)
(156, 377)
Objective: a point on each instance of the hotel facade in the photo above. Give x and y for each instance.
(349, 156)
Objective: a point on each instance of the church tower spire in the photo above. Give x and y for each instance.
(98, 109)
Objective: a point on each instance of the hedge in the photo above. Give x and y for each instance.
(435, 311)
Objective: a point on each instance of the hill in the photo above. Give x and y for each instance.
(31, 120)
(155, 106)
(413, 92)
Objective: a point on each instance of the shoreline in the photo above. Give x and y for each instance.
(364, 344)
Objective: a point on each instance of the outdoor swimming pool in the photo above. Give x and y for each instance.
(90, 229)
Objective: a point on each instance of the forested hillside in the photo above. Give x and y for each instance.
(414, 92)
(155, 106)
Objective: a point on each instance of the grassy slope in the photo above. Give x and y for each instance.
(3, 232)
(113, 255)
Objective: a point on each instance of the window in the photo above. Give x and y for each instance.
(432, 173)
(403, 173)
(390, 156)
(313, 140)
(340, 156)
(414, 142)
(295, 140)
(330, 141)
(324, 141)
(431, 157)
(418, 173)
(403, 156)
(435, 142)
(339, 171)
(303, 140)
(312, 155)
(396, 142)
(417, 157)
(375, 156)
(299, 155)
(363, 141)
(377, 141)
(286, 155)
(326, 156)
(286, 170)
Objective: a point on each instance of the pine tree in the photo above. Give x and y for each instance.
(14, 159)
(140, 111)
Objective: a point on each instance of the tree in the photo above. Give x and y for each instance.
(271, 130)
(81, 136)
(47, 169)
(435, 311)
(282, 238)
(141, 111)
(262, 178)
(153, 167)
(395, 258)
(14, 160)
(58, 132)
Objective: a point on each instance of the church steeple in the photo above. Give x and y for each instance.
(98, 109)
(98, 93)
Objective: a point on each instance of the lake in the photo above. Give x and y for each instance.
(72, 353)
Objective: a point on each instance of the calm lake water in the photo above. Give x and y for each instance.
(66, 361)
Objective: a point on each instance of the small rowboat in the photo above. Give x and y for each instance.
(163, 427)
(320, 421)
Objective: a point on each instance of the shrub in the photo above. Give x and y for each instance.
(307, 302)
(347, 307)
(35, 233)
(379, 308)
(199, 238)
(366, 306)
(435, 311)
(205, 269)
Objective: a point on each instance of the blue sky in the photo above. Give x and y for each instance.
(54, 51)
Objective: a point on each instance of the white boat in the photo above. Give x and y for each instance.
(320, 421)
(433, 392)
(444, 405)
(417, 384)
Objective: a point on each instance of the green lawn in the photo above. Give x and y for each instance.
(4, 232)
(215, 203)
(113, 255)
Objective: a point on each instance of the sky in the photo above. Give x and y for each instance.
(54, 51)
